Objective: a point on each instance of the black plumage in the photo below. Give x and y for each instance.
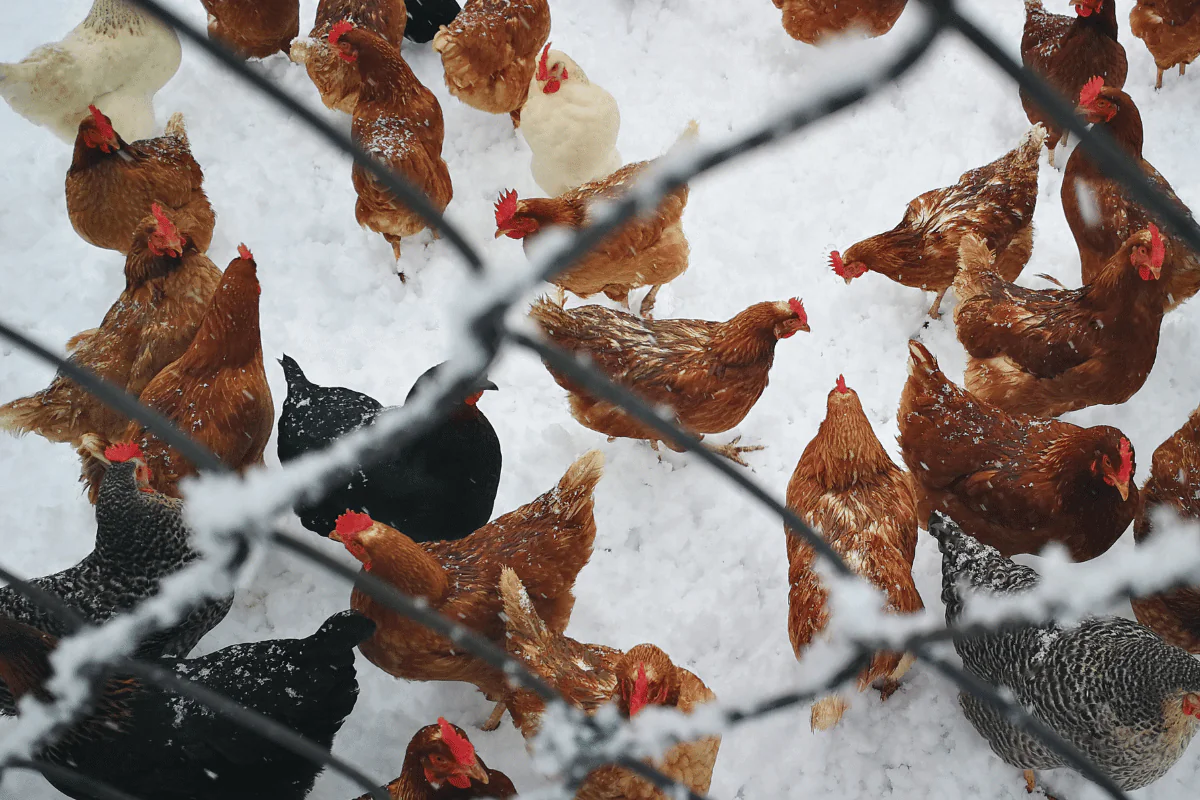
(425, 17)
(439, 488)
(1111, 687)
(153, 743)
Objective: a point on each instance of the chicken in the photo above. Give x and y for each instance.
(112, 185)
(815, 21)
(147, 741)
(995, 201)
(489, 53)
(253, 28)
(399, 122)
(649, 250)
(336, 79)
(710, 374)
(1174, 482)
(1128, 700)
(1048, 352)
(426, 18)
(117, 58)
(570, 124)
(440, 487)
(1101, 215)
(216, 391)
(140, 540)
(168, 286)
(441, 764)
(1171, 31)
(546, 541)
(846, 487)
(1067, 51)
(1013, 482)
(590, 676)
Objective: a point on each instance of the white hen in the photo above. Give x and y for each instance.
(570, 124)
(117, 58)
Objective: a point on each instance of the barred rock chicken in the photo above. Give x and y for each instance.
(1013, 482)
(441, 764)
(336, 79)
(442, 486)
(1101, 215)
(547, 542)
(168, 286)
(1171, 31)
(650, 250)
(1127, 699)
(710, 374)
(140, 540)
(591, 676)
(1066, 51)
(112, 185)
(847, 488)
(1051, 351)
(995, 201)
(1175, 482)
(489, 53)
(570, 124)
(117, 58)
(152, 743)
(814, 21)
(398, 121)
(216, 391)
(253, 28)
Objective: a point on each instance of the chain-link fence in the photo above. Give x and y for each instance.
(246, 526)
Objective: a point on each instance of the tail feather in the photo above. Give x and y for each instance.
(827, 712)
(922, 365)
(91, 452)
(966, 560)
(301, 50)
(34, 415)
(344, 631)
(521, 618)
(690, 134)
(577, 486)
(176, 128)
(974, 264)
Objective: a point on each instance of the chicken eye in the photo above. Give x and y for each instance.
(438, 760)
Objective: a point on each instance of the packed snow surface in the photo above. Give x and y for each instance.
(682, 559)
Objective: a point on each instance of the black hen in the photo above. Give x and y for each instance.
(1114, 689)
(441, 487)
(425, 17)
(140, 540)
(153, 743)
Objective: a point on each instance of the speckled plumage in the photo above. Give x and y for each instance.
(1108, 685)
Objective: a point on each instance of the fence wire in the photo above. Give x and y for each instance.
(488, 331)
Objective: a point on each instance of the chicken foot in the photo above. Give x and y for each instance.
(1031, 784)
(493, 721)
(647, 305)
(934, 313)
(733, 452)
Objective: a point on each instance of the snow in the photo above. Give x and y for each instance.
(682, 559)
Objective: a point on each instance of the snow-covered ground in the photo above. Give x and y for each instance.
(682, 559)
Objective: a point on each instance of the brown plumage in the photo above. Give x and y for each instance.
(441, 764)
(1171, 31)
(847, 488)
(1012, 481)
(490, 51)
(1067, 51)
(1174, 481)
(399, 122)
(336, 79)
(168, 287)
(546, 541)
(591, 676)
(995, 201)
(650, 250)
(216, 392)
(1102, 217)
(1052, 351)
(112, 184)
(811, 21)
(710, 374)
(253, 28)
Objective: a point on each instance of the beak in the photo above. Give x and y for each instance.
(1123, 488)
(487, 386)
(847, 279)
(804, 327)
(478, 772)
(501, 232)
(334, 537)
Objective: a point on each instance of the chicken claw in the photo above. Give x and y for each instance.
(733, 452)
(1031, 784)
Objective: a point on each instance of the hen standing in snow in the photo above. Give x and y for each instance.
(995, 201)
(1109, 686)
(1171, 31)
(253, 28)
(140, 540)
(441, 487)
(812, 21)
(117, 58)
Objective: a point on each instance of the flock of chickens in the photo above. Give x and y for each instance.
(989, 466)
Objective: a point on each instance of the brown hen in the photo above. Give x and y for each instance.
(253, 28)
(811, 21)
(1171, 31)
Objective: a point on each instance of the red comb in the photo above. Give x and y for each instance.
(841, 384)
(506, 206)
(162, 220)
(835, 261)
(543, 72)
(797, 307)
(641, 691)
(101, 121)
(339, 30)
(1126, 470)
(352, 522)
(122, 451)
(244, 253)
(1091, 91)
(1158, 249)
(462, 750)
